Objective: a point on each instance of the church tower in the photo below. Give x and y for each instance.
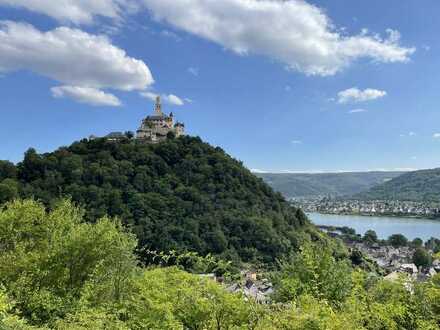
(158, 108)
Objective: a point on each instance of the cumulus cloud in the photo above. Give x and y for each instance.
(293, 32)
(170, 99)
(355, 95)
(296, 142)
(436, 135)
(75, 11)
(86, 95)
(70, 56)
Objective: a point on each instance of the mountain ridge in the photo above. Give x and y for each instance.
(312, 185)
(421, 185)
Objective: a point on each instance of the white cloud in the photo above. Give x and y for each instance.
(410, 134)
(355, 95)
(75, 11)
(170, 99)
(436, 135)
(170, 34)
(193, 71)
(296, 142)
(357, 111)
(293, 32)
(173, 99)
(70, 56)
(86, 95)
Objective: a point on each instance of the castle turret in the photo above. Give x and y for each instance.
(158, 108)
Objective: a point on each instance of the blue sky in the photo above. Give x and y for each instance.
(282, 86)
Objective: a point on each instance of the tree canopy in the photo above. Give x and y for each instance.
(59, 272)
(181, 194)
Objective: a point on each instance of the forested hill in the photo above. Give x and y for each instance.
(323, 184)
(181, 194)
(423, 185)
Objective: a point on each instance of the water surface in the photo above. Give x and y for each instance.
(384, 226)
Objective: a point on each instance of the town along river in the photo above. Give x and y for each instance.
(383, 226)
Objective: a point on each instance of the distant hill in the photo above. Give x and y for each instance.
(324, 184)
(180, 194)
(423, 185)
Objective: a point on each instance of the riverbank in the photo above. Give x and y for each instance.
(384, 226)
(387, 208)
(389, 215)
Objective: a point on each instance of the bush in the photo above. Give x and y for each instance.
(47, 259)
(370, 237)
(417, 242)
(421, 258)
(313, 271)
(397, 240)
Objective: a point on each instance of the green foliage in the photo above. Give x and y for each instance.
(9, 321)
(8, 190)
(433, 244)
(168, 298)
(422, 258)
(316, 272)
(420, 186)
(7, 170)
(47, 258)
(370, 237)
(59, 273)
(417, 242)
(397, 240)
(308, 313)
(190, 262)
(181, 194)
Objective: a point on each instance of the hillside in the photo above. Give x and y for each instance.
(180, 194)
(421, 185)
(324, 184)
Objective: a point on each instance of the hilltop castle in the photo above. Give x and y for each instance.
(153, 129)
(157, 128)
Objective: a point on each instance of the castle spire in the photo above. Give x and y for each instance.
(158, 108)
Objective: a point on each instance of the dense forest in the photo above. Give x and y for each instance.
(419, 186)
(325, 184)
(58, 271)
(181, 194)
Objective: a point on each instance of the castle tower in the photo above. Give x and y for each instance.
(158, 108)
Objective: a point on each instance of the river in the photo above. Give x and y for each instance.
(383, 226)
